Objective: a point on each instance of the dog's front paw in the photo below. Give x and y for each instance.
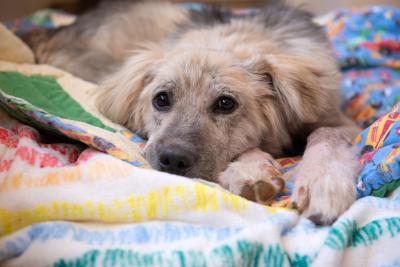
(254, 176)
(325, 190)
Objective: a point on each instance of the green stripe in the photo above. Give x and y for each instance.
(387, 188)
(45, 93)
(347, 234)
(240, 253)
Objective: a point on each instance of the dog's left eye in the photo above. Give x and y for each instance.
(161, 101)
(225, 105)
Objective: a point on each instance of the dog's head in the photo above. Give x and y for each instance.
(215, 94)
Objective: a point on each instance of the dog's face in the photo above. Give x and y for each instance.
(200, 108)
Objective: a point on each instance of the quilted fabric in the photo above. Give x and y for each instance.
(367, 47)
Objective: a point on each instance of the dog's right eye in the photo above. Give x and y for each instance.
(161, 101)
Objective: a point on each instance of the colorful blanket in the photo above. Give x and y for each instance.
(94, 202)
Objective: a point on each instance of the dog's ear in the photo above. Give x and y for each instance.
(119, 94)
(305, 89)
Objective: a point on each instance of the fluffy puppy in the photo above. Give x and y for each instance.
(215, 94)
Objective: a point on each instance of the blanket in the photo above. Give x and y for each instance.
(95, 202)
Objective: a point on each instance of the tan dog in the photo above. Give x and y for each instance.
(215, 94)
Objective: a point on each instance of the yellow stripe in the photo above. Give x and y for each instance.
(163, 203)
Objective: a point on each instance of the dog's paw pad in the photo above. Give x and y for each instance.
(248, 192)
(263, 191)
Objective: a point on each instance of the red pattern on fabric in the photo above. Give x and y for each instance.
(27, 154)
(85, 155)
(73, 156)
(34, 153)
(7, 139)
(5, 165)
(48, 160)
(367, 157)
(62, 149)
(28, 133)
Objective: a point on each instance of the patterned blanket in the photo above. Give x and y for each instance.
(95, 202)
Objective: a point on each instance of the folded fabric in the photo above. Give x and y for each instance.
(56, 101)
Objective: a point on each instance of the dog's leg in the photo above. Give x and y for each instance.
(255, 176)
(325, 183)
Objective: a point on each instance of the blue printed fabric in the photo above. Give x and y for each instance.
(367, 47)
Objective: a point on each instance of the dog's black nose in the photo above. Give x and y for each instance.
(175, 160)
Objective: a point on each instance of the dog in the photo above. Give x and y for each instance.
(218, 97)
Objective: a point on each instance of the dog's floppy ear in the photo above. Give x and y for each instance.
(119, 95)
(305, 89)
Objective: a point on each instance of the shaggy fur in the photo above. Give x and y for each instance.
(277, 66)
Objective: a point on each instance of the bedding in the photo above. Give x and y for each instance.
(94, 201)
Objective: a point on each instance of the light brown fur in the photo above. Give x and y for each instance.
(286, 85)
